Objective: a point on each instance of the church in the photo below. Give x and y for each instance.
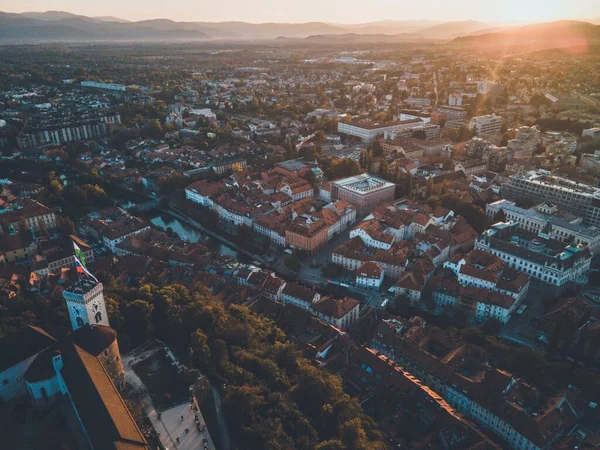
(81, 372)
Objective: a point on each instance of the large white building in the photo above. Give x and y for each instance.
(107, 86)
(545, 259)
(544, 219)
(593, 133)
(489, 124)
(540, 186)
(453, 112)
(369, 131)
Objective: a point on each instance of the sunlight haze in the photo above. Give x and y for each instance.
(335, 11)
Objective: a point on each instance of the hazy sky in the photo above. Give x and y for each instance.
(341, 11)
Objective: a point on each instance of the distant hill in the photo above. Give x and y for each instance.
(18, 27)
(354, 38)
(53, 15)
(272, 30)
(61, 25)
(559, 34)
(450, 30)
(389, 26)
(111, 19)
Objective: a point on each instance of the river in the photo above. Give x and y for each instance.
(185, 231)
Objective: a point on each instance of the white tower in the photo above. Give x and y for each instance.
(85, 302)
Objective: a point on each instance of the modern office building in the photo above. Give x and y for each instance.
(369, 131)
(489, 124)
(453, 112)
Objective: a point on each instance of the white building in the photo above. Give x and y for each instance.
(369, 131)
(541, 186)
(544, 219)
(454, 99)
(489, 124)
(593, 133)
(539, 257)
(453, 112)
(107, 86)
(370, 275)
(299, 295)
(341, 313)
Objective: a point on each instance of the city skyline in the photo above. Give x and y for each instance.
(335, 11)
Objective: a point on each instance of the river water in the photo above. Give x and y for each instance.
(185, 231)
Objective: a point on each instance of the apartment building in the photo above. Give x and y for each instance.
(488, 124)
(540, 186)
(307, 235)
(591, 162)
(341, 313)
(484, 270)
(544, 219)
(428, 130)
(480, 304)
(471, 167)
(525, 142)
(32, 212)
(299, 295)
(76, 128)
(370, 275)
(453, 112)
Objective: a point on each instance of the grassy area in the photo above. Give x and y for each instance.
(165, 386)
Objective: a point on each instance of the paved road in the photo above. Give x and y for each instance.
(518, 329)
(169, 424)
(225, 440)
(178, 430)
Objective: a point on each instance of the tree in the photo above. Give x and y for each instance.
(292, 261)
(409, 183)
(154, 129)
(376, 148)
(429, 187)
(199, 344)
(65, 224)
(396, 174)
(138, 318)
(384, 169)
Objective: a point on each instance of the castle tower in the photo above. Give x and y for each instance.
(85, 302)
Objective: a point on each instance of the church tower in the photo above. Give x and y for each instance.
(85, 303)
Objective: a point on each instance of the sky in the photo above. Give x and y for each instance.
(333, 11)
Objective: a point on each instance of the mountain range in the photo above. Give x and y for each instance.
(64, 26)
(560, 34)
(60, 25)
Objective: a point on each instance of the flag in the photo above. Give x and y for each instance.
(81, 269)
(79, 254)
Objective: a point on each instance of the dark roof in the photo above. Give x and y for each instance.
(41, 368)
(23, 344)
(336, 308)
(15, 241)
(101, 409)
(94, 339)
